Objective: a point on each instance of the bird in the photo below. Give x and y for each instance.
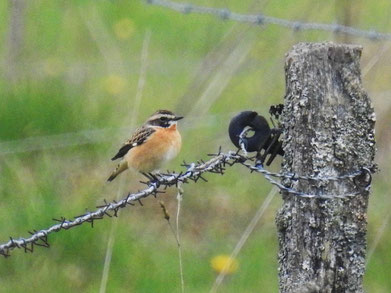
(154, 143)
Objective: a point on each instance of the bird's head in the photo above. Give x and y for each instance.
(163, 118)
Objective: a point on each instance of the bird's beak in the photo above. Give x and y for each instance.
(178, 118)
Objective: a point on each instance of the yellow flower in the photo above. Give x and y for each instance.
(114, 84)
(124, 28)
(224, 264)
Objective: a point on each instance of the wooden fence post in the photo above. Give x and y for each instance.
(329, 131)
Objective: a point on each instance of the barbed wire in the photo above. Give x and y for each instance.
(364, 174)
(261, 19)
(194, 171)
(258, 167)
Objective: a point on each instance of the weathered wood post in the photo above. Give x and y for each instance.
(329, 131)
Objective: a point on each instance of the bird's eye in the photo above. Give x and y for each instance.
(163, 118)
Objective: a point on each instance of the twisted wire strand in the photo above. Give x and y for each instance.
(268, 177)
(260, 19)
(258, 167)
(292, 176)
(194, 171)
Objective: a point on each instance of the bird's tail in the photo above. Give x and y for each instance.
(122, 166)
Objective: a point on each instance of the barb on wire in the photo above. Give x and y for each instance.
(258, 167)
(268, 175)
(261, 19)
(194, 172)
(361, 179)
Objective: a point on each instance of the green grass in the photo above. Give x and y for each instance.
(70, 54)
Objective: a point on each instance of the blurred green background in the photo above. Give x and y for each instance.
(78, 76)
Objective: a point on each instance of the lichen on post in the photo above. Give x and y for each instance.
(328, 126)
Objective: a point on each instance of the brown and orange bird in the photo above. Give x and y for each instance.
(155, 142)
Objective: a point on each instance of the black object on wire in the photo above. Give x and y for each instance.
(265, 140)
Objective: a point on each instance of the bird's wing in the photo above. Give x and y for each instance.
(138, 138)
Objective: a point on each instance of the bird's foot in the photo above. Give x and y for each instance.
(153, 178)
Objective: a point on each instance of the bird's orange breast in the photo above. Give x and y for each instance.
(163, 145)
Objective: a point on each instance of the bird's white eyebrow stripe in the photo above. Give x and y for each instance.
(158, 116)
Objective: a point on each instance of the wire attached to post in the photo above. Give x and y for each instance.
(194, 172)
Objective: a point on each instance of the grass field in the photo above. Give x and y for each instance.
(69, 91)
